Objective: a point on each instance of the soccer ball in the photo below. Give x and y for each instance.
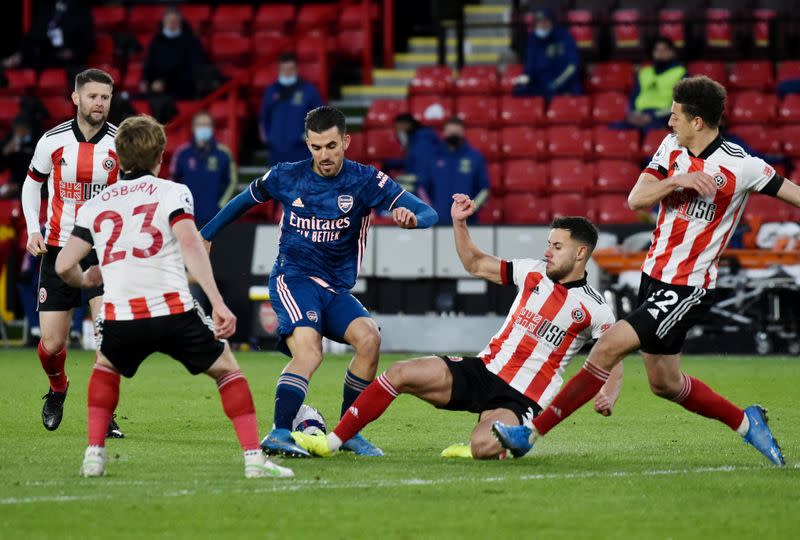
(309, 420)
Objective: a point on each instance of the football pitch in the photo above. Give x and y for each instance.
(651, 470)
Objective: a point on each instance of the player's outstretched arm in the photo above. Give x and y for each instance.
(68, 264)
(789, 192)
(607, 396)
(410, 212)
(237, 206)
(475, 261)
(649, 190)
(199, 265)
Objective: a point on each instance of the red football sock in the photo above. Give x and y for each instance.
(579, 389)
(53, 366)
(103, 399)
(237, 402)
(368, 406)
(699, 398)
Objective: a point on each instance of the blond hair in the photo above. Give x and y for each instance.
(140, 143)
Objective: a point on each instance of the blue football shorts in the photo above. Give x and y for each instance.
(301, 301)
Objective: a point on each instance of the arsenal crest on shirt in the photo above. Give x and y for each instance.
(345, 203)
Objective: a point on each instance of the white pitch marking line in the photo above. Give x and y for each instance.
(297, 485)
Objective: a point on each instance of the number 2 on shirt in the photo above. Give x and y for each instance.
(110, 256)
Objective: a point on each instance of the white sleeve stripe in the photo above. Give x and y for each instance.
(395, 199)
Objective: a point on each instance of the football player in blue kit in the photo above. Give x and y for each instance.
(327, 201)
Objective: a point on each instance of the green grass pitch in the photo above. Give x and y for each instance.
(651, 470)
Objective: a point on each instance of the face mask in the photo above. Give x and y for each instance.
(541, 33)
(171, 34)
(454, 141)
(287, 80)
(203, 134)
(660, 65)
(402, 138)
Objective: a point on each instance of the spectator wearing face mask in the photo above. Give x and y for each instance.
(552, 64)
(174, 57)
(283, 111)
(651, 97)
(454, 167)
(207, 168)
(418, 143)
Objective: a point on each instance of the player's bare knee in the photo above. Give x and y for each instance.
(400, 375)
(53, 344)
(605, 353)
(368, 343)
(663, 388)
(484, 446)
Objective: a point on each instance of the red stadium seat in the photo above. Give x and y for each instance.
(615, 143)
(751, 75)
(609, 107)
(220, 112)
(261, 78)
(9, 107)
(357, 150)
(789, 110)
(316, 16)
(616, 76)
(230, 48)
(476, 80)
(431, 110)
(103, 51)
(111, 70)
(309, 50)
(484, 141)
(613, 208)
(569, 110)
(145, 18)
(53, 82)
(616, 176)
(491, 212)
(652, 140)
(713, 70)
(626, 31)
(59, 108)
(19, 81)
(382, 144)
(133, 77)
(585, 36)
(522, 142)
(351, 43)
(231, 18)
(477, 110)
(431, 80)
(197, 15)
(524, 209)
(674, 31)
(526, 111)
(275, 17)
(789, 69)
(352, 16)
(382, 112)
(766, 209)
(571, 175)
(571, 204)
(525, 176)
(511, 72)
(719, 35)
(265, 44)
(759, 138)
(568, 142)
(753, 108)
(496, 186)
(108, 18)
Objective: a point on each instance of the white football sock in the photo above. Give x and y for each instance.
(334, 442)
(744, 427)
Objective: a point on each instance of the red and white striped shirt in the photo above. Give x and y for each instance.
(691, 232)
(75, 169)
(547, 325)
(130, 226)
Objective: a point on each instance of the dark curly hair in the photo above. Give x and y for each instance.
(703, 97)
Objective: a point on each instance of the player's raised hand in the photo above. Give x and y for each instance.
(224, 321)
(699, 181)
(603, 404)
(462, 207)
(92, 277)
(404, 218)
(36, 245)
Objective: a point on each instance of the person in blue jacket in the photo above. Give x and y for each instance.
(454, 167)
(552, 64)
(283, 110)
(418, 142)
(207, 168)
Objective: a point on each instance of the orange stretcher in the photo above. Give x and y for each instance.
(615, 261)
